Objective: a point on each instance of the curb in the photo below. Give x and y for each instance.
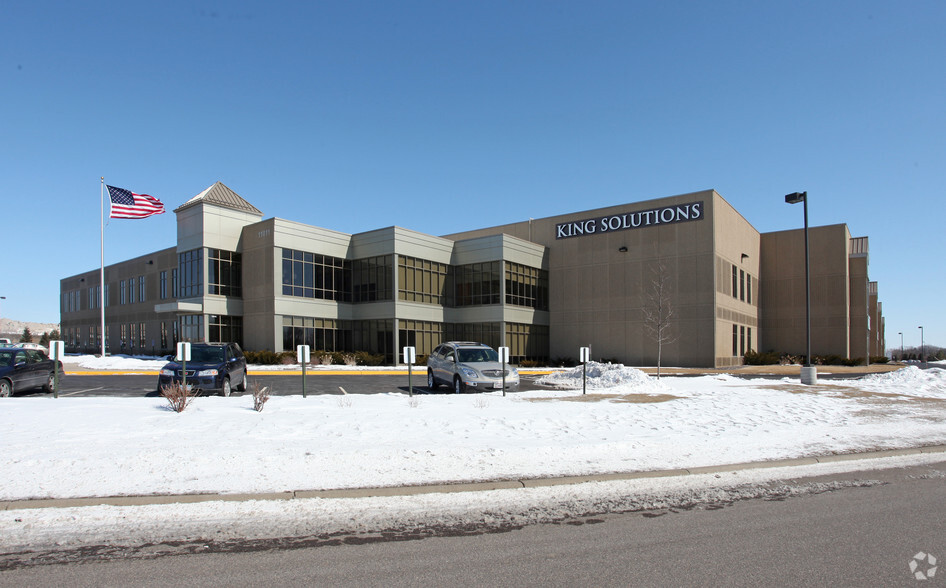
(155, 499)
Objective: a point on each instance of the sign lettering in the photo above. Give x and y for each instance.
(631, 220)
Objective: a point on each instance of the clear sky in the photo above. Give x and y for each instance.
(448, 116)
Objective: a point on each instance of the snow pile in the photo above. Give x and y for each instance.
(910, 381)
(115, 362)
(599, 376)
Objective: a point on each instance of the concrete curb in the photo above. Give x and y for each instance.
(155, 499)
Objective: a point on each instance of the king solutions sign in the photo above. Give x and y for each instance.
(679, 213)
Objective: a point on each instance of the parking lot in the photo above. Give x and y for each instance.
(280, 384)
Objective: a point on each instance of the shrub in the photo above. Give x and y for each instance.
(566, 362)
(879, 359)
(324, 358)
(178, 396)
(260, 396)
(529, 363)
(287, 357)
(264, 357)
(755, 358)
(365, 358)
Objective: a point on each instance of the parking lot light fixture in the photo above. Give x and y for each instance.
(808, 372)
(922, 350)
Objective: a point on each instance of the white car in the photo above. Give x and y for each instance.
(31, 346)
(465, 365)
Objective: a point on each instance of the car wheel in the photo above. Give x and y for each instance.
(431, 381)
(243, 383)
(226, 387)
(50, 385)
(457, 385)
(6, 388)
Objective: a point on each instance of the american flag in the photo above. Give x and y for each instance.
(127, 204)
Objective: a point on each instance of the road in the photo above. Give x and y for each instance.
(856, 529)
(129, 385)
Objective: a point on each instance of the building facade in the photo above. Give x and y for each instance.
(686, 277)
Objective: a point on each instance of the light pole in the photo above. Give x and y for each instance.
(809, 374)
(922, 354)
(1, 316)
(901, 346)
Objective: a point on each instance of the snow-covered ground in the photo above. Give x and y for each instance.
(71, 447)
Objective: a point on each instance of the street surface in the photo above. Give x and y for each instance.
(127, 385)
(282, 384)
(856, 529)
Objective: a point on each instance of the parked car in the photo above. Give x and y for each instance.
(23, 369)
(36, 346)
(216, 367)
(467, 365)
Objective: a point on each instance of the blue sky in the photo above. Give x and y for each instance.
(361, 115)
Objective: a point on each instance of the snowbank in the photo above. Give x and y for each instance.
(598, 376)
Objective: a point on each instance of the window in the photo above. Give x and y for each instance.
(742, 340)
(132, 335)
(421, 280)
(422, 335)
(742, 285)
(527, 286)
(142, 339)
(163, 285)
(108, 301)
(311, 275)
(190, 264)
(131, 290)
(124, 337)
(749, 339)
(174, 283)
(164, 335)
(735, 283)
(192, 327)
(477, 283)
(224, 273)
(527, 342)
(735, 340)
(748, 289)
(121, 293)
(372, 279)
(318, 333)
(225, 329)
(141, 288)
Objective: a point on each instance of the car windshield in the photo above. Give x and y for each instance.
(207, 354)
(478, 354)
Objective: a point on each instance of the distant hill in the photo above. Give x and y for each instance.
(12, 329)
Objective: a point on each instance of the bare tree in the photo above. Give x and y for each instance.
(658, 309)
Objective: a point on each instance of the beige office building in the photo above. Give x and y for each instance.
(686, 276)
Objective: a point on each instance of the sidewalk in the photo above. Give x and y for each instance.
(459, 487)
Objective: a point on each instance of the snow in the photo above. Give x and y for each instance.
(105, 446)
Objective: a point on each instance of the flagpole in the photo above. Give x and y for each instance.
(102, 272)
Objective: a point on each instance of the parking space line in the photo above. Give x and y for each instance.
(82, 391)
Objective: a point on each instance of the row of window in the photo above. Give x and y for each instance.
(131, 337)
(377, 336)
(311, 275)
(130, 291)
(741, 340)
(134, 336)
(741, 285)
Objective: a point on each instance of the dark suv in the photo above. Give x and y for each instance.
(464, 365)
(213, 366)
